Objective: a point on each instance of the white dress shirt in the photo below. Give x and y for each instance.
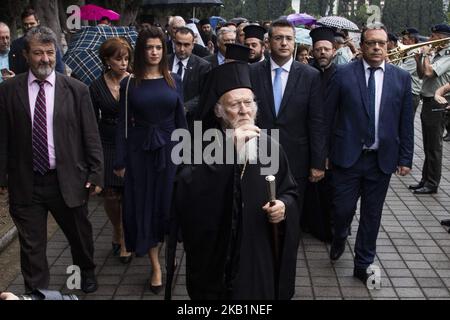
(284, 75)
(175, 65)
(33, 90)
(379, 80)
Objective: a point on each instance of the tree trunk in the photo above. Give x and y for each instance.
(48, 13)
(15, 10)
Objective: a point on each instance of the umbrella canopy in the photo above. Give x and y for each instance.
(82, 55)
(215, 20)
(93, 12)
(238, 20)
(301, 19)
(197, 3)
(302, 36)
(338, 22)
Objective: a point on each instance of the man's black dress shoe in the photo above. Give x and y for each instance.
(445, 223)
(416, 186)
(426, 190)
(336, 251)
(361, 274)
(88, 283)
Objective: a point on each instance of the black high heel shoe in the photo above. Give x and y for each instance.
(126, 259)
(156, 289)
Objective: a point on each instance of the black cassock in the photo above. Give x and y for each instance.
(226, 235)
(316, 218)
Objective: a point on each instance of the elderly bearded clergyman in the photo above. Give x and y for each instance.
(223, 209)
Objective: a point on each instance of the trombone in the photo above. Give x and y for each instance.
(403, 52)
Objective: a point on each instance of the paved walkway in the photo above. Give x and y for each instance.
(413, 253)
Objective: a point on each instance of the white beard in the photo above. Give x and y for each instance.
(248, 152)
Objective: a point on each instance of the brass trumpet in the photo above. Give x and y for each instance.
(403, 52)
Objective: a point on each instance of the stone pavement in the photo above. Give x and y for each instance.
(413, 253)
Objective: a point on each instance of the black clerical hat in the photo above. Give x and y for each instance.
(220, 80)
(237, 51)
(204, 21)
(254, 31)
(321, 34)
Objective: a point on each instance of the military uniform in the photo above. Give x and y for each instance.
(433, 122)
(410, 65)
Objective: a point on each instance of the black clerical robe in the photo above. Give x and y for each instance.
(226, 234)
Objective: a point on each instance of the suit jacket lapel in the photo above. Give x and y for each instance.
(386, 89)
(267, 81)
(188, 71)
(171, 59)
(294, 74)
(60, 89)
(361, 76)
(22, 92)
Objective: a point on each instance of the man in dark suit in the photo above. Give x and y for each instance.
(50, 158)
(289, 99)
(17, 62)
(372, 137)
(190, 68)
(176, 23)
(224, 36)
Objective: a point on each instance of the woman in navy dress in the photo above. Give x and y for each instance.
(143, 158)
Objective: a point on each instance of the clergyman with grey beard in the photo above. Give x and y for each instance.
(223, 209)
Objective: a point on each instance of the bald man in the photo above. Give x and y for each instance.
(175, 23)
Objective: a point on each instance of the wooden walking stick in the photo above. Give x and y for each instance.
(271, 190)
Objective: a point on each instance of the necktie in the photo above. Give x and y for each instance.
(41, 160)
(371, 88)
(180, 69)
(277, 90)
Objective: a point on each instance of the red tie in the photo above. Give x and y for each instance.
(41, 160)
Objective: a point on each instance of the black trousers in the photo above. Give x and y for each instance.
(432, 131)
(367, 182)
(31, 223)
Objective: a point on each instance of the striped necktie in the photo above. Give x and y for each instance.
(41, 159)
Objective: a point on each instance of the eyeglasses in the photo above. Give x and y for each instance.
(373, 43)
(281, 38)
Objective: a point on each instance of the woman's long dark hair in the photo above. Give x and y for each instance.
(140, 63)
